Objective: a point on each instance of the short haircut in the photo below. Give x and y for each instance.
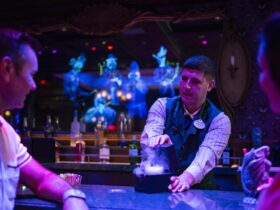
(201, 63)
(270, 39)
(12, 42)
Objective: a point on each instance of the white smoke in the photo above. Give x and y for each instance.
(154, 162)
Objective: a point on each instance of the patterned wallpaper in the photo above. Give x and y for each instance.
(254, 111)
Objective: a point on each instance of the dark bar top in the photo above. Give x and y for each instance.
(107, 197)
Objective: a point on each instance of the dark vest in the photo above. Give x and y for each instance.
(184, 135)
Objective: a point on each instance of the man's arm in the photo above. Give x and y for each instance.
(153, 130)
(48, 185)
(207, 156)
(211, 148)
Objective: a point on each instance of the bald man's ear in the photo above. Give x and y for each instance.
(6, 68)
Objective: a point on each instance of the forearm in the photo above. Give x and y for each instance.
(205, 160)
(53, 190)
(211, 149)
(201, 165)
(188, 177)
(155, 121)
(43, 182)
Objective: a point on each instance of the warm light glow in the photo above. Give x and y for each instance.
(123, 97)
(119, 93)
(43, 82)
(128, 96)
(103, 42)
(110, 47)
(7, 113)
(104, 93)
(93, 48)
(218, 18)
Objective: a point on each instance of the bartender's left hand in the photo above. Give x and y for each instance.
(181, 183)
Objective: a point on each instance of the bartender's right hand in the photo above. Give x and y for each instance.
(159, 140)
(74, 204)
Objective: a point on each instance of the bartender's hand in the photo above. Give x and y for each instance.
(73, 203)
(255, 169)
(181, 183)
(159, 140)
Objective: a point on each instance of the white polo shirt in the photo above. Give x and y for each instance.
(13, 155)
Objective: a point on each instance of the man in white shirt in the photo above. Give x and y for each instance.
(18, 65)
(198, 130)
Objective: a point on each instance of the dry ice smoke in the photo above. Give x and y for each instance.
(153, 162)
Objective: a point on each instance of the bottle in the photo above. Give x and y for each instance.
(48, 129)
(25, 129)
(226, 157)
(82, 126)
(104, 152)
(80, 150)
(122, 141)
(56, 125)
(33, 126)
(129, 123)
(99, 132)
(133, 151)
(122, 129)
(122, 122)
(75, 129)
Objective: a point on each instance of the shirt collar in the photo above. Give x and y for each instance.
(191, 115)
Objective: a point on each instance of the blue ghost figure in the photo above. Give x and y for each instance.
(135, 91)
(100, 109)
(165, 74)
(71, 79)
(114, 79)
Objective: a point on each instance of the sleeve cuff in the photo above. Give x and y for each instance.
(195, 171)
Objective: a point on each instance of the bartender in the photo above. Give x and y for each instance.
(198, 130)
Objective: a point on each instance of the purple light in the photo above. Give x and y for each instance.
(54, 51)
(204, 42)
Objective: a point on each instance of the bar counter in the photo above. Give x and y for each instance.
(120, 174)
(108, 197)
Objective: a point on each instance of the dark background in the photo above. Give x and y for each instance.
(136, 30)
